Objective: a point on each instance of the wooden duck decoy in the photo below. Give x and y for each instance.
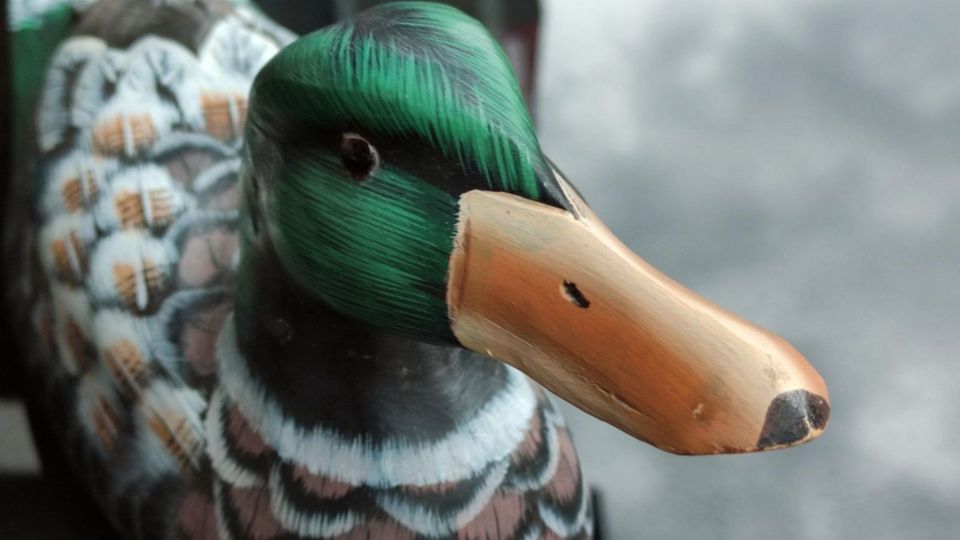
(278, 288)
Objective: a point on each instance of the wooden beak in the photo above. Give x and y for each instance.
(556, 295)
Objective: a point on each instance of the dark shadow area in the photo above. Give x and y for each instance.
(301, 16)
(8, 377)
(34, 507)
(52, 506)
(599, 518)
(4, 95)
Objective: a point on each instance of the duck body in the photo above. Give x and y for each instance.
(297, 423)
(285, 288)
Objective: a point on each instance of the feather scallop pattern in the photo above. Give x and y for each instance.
(536, 491)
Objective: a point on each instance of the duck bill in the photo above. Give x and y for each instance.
(556, 295)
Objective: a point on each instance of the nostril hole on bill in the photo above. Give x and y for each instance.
(573, 295)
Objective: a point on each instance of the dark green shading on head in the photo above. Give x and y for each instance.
(435, 95)
(377, 252)
(410, 69)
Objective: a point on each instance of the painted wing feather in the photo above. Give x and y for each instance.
(136, 211)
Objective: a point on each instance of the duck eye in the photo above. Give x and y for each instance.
(359, 157)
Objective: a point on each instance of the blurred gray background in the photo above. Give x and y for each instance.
(797, 161)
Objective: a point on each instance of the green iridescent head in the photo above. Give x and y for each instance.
(360, 140)
(393, 171)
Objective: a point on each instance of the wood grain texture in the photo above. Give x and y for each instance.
(555, 294)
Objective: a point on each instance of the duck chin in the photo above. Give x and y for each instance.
(557, 295)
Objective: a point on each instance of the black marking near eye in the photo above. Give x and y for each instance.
(255, 209)
(359, 157)
(574, 296)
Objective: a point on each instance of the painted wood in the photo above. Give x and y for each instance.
(555, 294)
(275, 288)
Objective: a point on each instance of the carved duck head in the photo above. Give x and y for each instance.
(392, 169)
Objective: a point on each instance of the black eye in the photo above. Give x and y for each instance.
(359, 157)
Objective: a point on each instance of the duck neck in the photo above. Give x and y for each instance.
(325, 370)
